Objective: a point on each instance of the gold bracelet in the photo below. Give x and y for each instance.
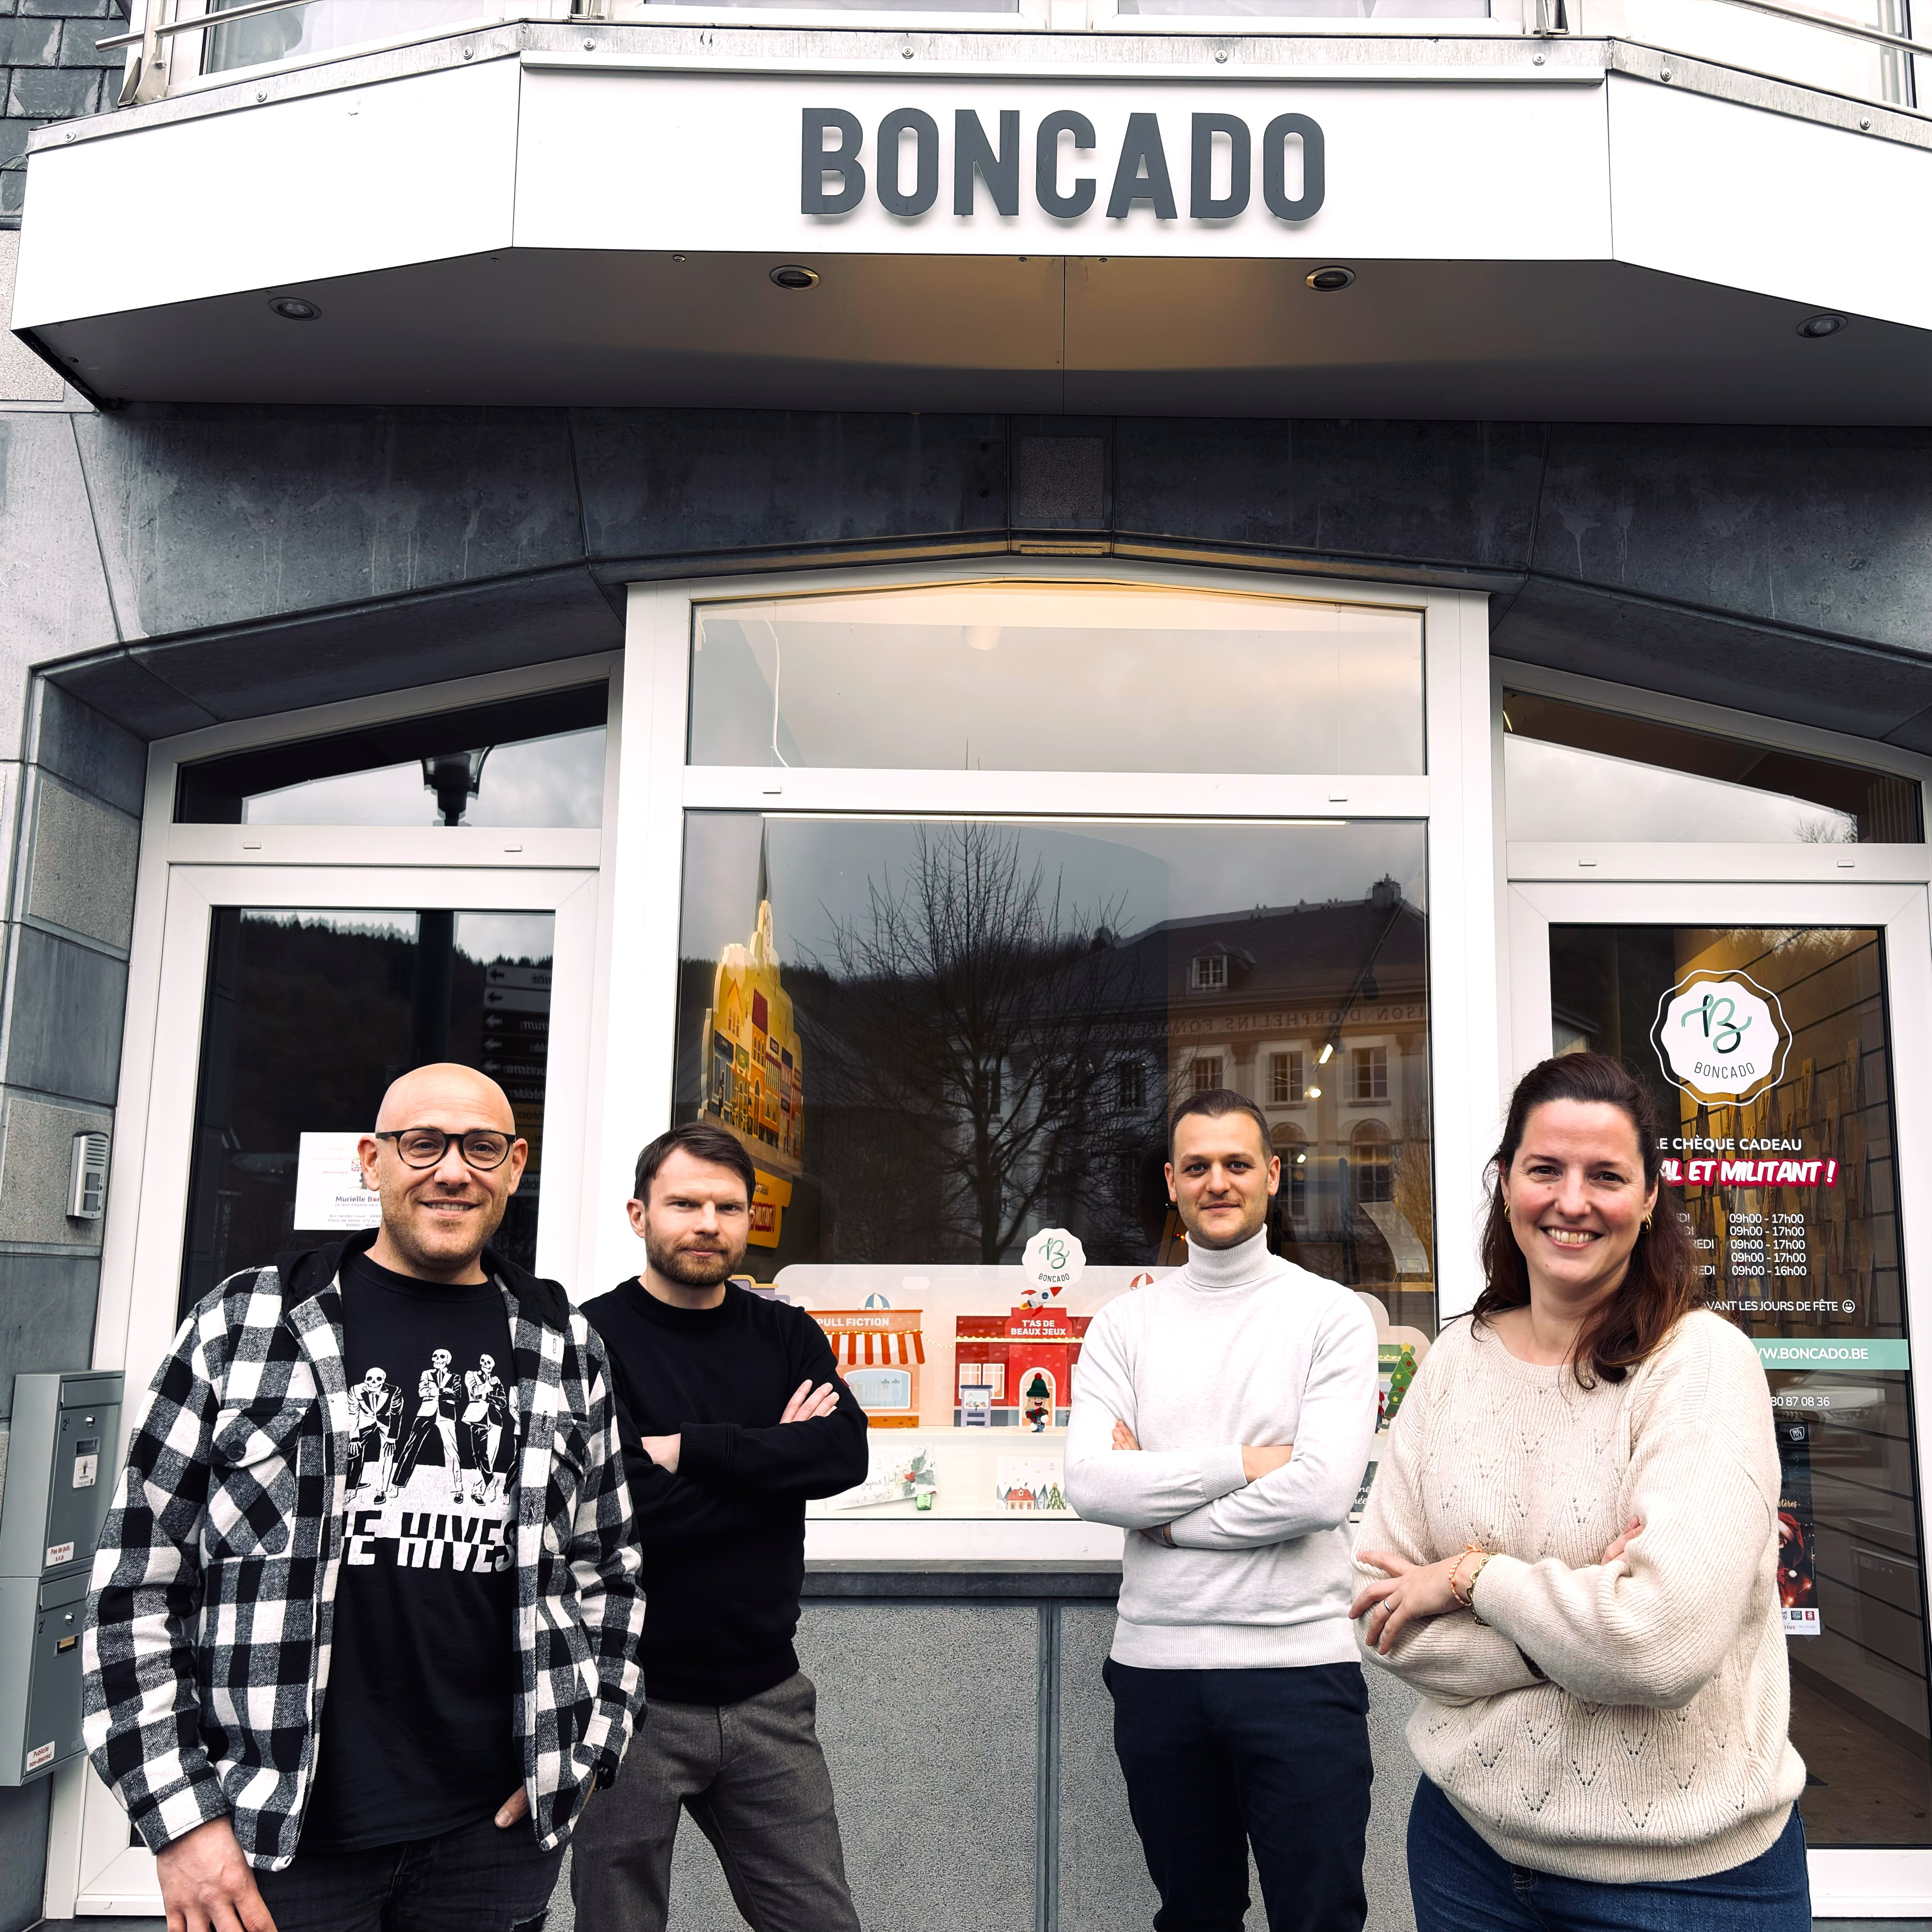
(1465, 1598)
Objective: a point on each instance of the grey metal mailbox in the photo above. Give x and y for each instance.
(63, 1452)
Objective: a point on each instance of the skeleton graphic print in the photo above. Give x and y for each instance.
(431, 1477)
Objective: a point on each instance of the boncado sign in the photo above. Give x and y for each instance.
(990, 161)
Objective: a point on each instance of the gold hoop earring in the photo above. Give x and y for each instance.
(1647, 1220)
(1504, 1198)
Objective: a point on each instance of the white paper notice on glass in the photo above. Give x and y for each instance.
(329, 1194)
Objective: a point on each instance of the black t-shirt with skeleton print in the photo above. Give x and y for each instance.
(417, 1724)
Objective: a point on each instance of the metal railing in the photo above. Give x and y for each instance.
(148, 73)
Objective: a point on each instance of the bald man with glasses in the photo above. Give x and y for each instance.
(343, 1682)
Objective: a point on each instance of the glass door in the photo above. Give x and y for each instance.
(1782, 1031)
(289, 996)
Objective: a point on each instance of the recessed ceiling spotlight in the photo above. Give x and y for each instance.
(790, 275)
(295, 308)
(1329, 281)
(1817, 326)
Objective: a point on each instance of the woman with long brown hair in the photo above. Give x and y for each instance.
(1572, 1546)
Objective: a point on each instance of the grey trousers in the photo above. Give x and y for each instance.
(755, 1780)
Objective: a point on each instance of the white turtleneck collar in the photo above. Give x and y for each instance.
(1216, 1270)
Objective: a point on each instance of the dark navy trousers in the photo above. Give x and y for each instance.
(1217, 1761)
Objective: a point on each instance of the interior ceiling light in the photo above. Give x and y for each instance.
(1816, 327)
(1329, 280)
(295, 308)
(790, 275)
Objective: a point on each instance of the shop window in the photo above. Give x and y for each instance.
(1210, 972)
(1368, 1074)
(1054, 678)
(530, 761)
(1783, 1162)
(921, 1031)
(1571, 773)
(1286, 1080)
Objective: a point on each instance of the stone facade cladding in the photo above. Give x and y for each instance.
(50, 71)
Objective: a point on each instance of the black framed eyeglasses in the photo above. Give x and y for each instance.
(481, 1147)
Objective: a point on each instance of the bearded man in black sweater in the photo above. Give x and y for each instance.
(732, 1416)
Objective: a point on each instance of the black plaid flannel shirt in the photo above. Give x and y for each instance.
(206, 1651)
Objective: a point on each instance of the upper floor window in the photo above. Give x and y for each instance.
(1206, 1072)
(1368, 1073)
(1210, 973)
(1285, 1079)
(1054, 677)
(531, 761)
(1130, 1086)
(1574, 773)
(323, 27)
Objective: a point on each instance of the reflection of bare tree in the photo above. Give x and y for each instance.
(989, 1013)
(1414, 1179)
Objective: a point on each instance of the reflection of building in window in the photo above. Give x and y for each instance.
(1131, 1091)
(1206, 1072)
(1374, 1161)
(1127, 1180)
(1368, 1073)
(1285, 1079)
(1210, 972)
(1292, 1143)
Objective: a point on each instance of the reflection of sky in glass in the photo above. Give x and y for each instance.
(1556, 791)
(1082, 678)
(1132, 875)
(517, 936)
(484, 937)
(543, 781)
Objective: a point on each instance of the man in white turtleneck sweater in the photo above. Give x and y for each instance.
(1223, 1418)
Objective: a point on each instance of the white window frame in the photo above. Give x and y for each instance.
(1889, 886)
(1452, 800)
(184, 871)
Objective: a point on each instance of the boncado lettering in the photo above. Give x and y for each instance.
(906, 160)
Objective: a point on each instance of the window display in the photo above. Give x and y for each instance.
(951, 1047)
(1770, 1051)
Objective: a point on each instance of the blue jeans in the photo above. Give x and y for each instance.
(1460, 1885)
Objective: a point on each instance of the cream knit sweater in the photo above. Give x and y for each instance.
(1658, 1748)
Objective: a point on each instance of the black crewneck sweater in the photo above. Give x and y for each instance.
(723, 1540)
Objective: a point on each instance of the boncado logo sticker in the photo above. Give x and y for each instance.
(1721, 1036)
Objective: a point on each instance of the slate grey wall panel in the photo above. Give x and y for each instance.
(24, 1816)
(1811, 680)
(46, 1315)
(122, 689)
(1462, 494)
(36, 1174)
(214, 516)
(53, 598)
(63, 1028)
(87, 749)
(1104, 1886)
(672, 483)
(929, 1714)
(394, 646)
(81, 867)
(1821, 529)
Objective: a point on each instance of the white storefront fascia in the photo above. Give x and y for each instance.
(1554, 232)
